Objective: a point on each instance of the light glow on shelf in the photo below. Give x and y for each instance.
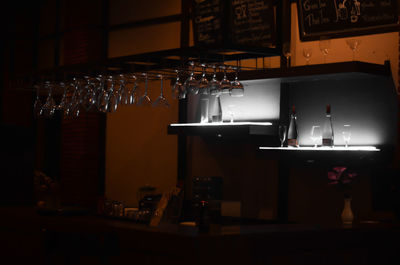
(324, 148)
(221, 124)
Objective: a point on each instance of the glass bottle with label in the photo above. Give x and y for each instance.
(292, 132)
(327, 131)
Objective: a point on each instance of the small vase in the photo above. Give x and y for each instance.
(347, 213)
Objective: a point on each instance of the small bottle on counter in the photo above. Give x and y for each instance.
(204, 217)
(327, 132)
(292, 132)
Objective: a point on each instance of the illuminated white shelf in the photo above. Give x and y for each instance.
(221, 124)
(221, 129)
(330, 149)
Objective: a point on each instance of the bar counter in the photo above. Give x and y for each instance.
(87, 239)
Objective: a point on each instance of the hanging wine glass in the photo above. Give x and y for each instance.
(70, 90)
(236, 89)
(77, 99)
(224, 84)
(91, 95)
(203, 82)
(114, 95)
(37, 105)
(214, 86)
(104, 96)
(178, 89)
(161, 100)
(124, 91)
(145, 100)
(191, 84)
(63, 103)
(132, 91)
(50, 105)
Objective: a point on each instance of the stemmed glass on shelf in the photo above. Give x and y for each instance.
(282, 133)
(316, 135)
(346, 133)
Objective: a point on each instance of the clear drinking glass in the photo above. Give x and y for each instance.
(204, 105)
(346, 133)
(316, 135)
(282, 133)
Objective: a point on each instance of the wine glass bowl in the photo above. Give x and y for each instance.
(316, 135)
(224, 84)
(236, 89)
(191, 84)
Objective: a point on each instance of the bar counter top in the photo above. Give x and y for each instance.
(118, 240)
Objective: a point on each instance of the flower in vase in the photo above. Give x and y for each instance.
(341, 178)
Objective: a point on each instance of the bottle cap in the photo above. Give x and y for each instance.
(328, 109)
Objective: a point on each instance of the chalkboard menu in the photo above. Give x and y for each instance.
(249, 23)
(341, 18)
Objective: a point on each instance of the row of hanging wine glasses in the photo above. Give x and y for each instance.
(106, 93)
(99, 93)
(207, 86)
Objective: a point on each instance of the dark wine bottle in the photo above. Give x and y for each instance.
(292, 132)
(327, 132)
